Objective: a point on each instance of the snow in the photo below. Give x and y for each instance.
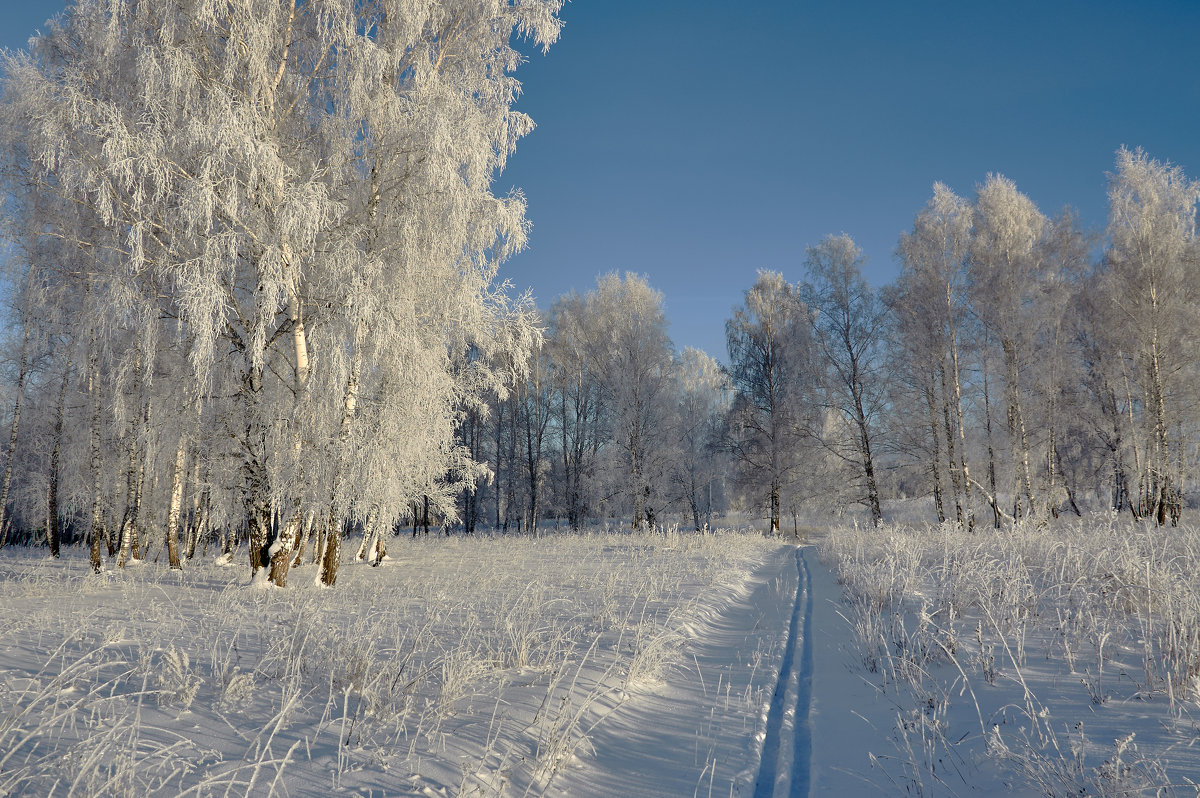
(700, 729)
(1021, 661)
(513, 665)
(786, 746)
(617, 664)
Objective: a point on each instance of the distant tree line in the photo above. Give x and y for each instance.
(1018, 367)
(609, 421)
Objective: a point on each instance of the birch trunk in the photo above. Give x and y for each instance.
(127, 533)
(956, 380)
(991, 448)
(368, 539)
(1137, 510)
(1016, 429)
(193, 519)
(864, 440)
(203, 512)
(333, 531)
(12, 437)
(285, 544)
(96, 525)
(1162, 478)
(305, 534)
(331, 552)
(951, 460)
(532, 462)
(256, 492)
(380, 549)
(139, 549)
(128, 537)
(176, 505)
(52, 528)
(936, 460)
(372, 544)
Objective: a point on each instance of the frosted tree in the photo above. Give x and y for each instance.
(912, 425)
(473, 436)
(1056, 373)
(704, 398)
(533, 409)
(848, 320)
(1151, 277)
(930, 307)
(270, 168)
(1106, 408)
(1006, 263)
(635, 361)
(24, 278)
(770, 369)
(581, 407)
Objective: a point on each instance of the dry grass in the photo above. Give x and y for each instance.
(1001, 623)
(462, 665)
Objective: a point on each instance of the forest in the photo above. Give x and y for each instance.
(254, 294)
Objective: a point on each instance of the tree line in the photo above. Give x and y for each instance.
(1018, 366)
(252, 294)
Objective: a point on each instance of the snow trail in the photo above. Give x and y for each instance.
(699, 730)
(788, 745)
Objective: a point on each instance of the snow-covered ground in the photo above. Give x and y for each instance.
(614, 664)
(604, 664)
(1057, 658)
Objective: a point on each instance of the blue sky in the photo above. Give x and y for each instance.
(698, 141)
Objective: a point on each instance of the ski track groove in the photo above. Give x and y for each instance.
(787, 747)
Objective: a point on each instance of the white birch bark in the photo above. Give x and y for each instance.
(175, 509)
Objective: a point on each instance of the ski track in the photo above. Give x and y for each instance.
(787, 749)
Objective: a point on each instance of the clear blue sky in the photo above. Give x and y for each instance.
(697, 141)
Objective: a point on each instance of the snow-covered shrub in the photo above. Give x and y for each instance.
(172, 674)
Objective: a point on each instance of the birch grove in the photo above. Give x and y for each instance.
(1151, 275)
(1058, 377)
(301, 193)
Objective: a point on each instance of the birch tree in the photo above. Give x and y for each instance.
(635, 361)
(582, 408)
(25, 327)
(768, 339)
(533, 408)
(1151, 277)
(1006, 261)
(931, 307)
(847, 320)
(704, 397)
(1056, 373)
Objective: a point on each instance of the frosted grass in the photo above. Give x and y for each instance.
(1063, 658)
(459, 666)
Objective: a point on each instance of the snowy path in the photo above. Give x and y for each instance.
(788, 744)
(731, 716)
